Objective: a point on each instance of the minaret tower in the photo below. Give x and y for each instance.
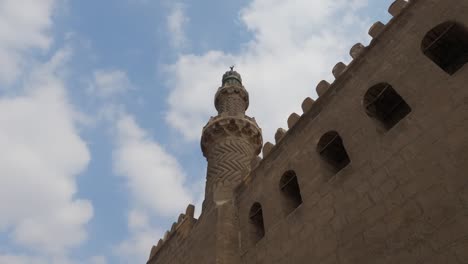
(230, 141)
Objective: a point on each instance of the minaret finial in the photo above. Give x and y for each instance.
(232, 77)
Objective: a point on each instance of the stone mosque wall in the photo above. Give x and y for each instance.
(374, 171)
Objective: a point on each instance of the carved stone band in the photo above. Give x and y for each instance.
(230, 89)
(220, 127)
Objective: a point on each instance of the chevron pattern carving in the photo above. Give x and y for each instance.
(227, 163)
(221, 127)
(232, 103)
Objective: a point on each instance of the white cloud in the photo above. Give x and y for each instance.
(295, 45)
(43, 156)
(155, 178)
(157, 186)
(176, 23)
(24, 25)
(97, 260)
(108, 83)
(43, 151)
(25, 259)
(18, 259)
(143, 235)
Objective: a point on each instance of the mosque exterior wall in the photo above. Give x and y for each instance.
(374, 171)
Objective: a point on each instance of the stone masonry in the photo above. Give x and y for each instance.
(373, 171)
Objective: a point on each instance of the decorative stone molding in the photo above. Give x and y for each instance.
(221, 127)
(224, 93)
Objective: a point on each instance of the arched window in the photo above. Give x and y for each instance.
(332, 151)
(257, 228)
(290, 190)
(384, 104)
(447, 46)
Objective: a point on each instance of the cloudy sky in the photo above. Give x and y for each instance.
(102, 104)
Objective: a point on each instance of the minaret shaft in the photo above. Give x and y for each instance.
(230, 141)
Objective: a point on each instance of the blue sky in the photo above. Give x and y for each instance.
(102, 105)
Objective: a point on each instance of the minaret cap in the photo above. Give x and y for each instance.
(231, 75)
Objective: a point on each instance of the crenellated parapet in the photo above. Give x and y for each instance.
(179, 230)
(323, 87)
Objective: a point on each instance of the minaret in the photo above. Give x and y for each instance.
(230, 141)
